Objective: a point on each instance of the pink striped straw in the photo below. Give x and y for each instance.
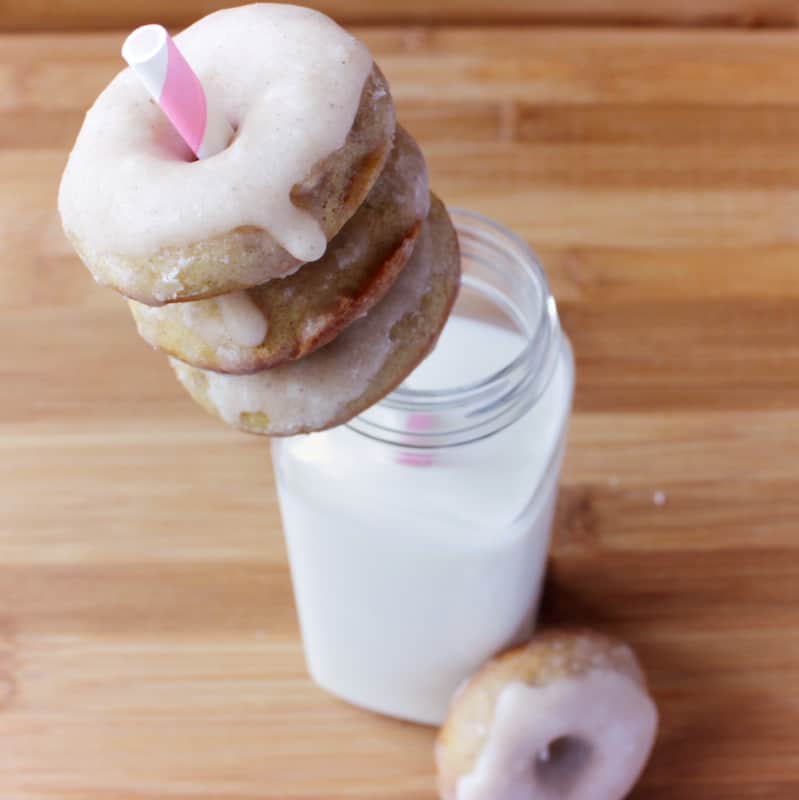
(167, 76)
(417, 423)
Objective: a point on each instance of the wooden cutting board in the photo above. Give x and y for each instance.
(148, 641)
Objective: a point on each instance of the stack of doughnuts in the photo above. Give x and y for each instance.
(299, 275)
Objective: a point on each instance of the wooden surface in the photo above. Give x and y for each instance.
(101, 14)
(148, 642)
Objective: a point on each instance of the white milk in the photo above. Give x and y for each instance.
(410, 570)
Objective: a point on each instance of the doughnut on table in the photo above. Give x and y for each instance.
(148, 642)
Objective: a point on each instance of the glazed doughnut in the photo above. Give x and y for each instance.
(289, 318)
(314, 124)
(566, 716)
(363, 364)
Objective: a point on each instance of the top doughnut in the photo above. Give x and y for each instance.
(314, 124)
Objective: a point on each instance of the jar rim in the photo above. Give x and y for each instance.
(479, 408)
(461, 216)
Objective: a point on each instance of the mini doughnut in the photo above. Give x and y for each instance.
(286, 319)
(566, 716)
(314, 124)
(363, 364)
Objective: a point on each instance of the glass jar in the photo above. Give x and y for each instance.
(418, 533)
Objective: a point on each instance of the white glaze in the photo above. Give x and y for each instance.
(407, 578)
(203, 318)
(232, 317)
(605, 709)
(288, 78)
(244, 322)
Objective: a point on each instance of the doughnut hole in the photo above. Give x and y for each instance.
(560, 766)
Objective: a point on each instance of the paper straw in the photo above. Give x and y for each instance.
(417, 423)
(167, 76)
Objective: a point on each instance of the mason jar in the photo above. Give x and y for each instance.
(418, 533)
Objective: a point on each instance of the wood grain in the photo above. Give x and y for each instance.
(17, 15)
(148, 643)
